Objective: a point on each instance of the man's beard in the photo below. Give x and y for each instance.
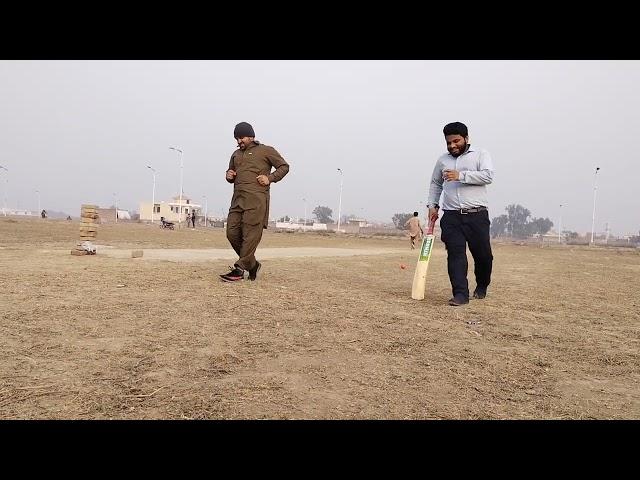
(461, 151)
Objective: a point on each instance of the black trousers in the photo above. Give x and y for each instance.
(458, 229)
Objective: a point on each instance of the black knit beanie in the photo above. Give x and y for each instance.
(243, 129)
(456, 128)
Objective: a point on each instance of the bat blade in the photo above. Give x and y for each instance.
(420, 275)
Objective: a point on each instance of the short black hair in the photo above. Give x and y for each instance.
(415, 214)
(456, 128)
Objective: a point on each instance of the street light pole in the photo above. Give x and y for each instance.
(340, 200)
(115, 197)
(180, 202)
(560, 226)
(6, 187)
(423, 208)
(206, 209)
(595, 188)
(153, 194)
(304, 228)
(38, 194)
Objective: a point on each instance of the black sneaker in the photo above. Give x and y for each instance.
(253, 272)
(234, 275)
(458, 300)
(479, 293)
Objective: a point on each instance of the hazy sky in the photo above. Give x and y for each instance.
(80, 131)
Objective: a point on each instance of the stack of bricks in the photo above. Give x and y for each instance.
(88, 229)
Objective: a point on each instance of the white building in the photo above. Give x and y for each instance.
(13, 211)
(170, 210)
(300, 226)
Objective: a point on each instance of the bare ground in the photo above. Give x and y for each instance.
(114, 337)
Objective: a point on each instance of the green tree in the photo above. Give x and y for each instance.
(286, 218)
(516, 223)
(323, 214)
(399, 219)
(539, 226)
(517, 217)
(499, 225)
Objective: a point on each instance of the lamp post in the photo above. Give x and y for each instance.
(38, 194)
(423, 207)
(595, 189)
(180, 202)
(560, 226)
(153, 194)
(206, 209)
(340, 200)
(6, 187)
(115, 197)
(304, 228)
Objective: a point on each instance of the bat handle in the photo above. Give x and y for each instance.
(430, 225)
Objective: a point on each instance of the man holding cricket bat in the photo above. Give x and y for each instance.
(461, 177)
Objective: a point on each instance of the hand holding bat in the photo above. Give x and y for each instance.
(433, 214)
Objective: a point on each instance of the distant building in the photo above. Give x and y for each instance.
(298, 226)
(170, 210)
(360, 222)
(22, 213)
(108, 215)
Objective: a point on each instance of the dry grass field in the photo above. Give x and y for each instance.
(322, 337)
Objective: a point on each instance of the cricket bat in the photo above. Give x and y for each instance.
(420, 276)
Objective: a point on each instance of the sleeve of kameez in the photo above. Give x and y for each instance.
(232, 166)
(277, 162)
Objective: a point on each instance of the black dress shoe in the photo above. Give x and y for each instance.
(479, 293)
(458, 300)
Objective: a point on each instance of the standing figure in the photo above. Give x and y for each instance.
(250, 172)
(462, 176)
(415, 230)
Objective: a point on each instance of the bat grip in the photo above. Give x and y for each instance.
(430, 225)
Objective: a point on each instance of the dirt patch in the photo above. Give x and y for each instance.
(318, 337)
